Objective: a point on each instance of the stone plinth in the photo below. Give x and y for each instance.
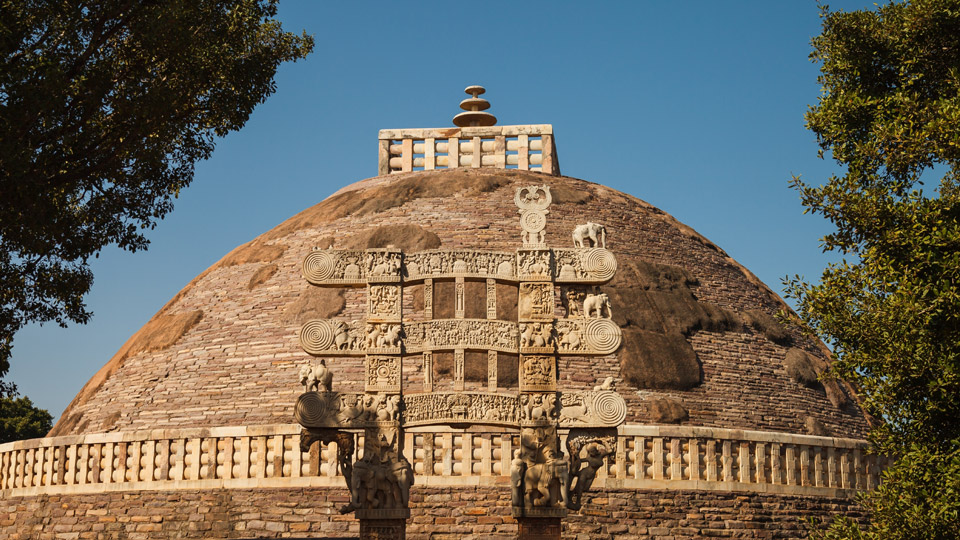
(539, 528)
(383, 529)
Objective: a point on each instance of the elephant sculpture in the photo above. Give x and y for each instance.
(594, 232)
(315, 377)
(594, 306)
(547, 484)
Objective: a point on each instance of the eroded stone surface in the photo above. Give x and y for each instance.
(182, 384)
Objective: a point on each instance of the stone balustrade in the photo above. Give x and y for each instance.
(529, 147)
(646, 457)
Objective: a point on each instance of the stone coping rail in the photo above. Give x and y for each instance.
(526, 147)
(269, 456)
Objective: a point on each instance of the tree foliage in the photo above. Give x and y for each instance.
(889, 113)
(19, 419)
(105, 107)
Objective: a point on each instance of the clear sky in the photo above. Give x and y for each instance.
(695, 107)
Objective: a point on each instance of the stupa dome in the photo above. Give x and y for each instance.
(701, 345)
(486, 348)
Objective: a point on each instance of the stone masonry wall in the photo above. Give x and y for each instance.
(437, 514)
(237, 364)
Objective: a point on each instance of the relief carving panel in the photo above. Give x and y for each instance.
(320, 337)
(352, 267)
(452, 334)
(384, 303)
(460, 407)
(538, 373)
(383, 374)
(536, 301)
(595, 409)
(459, 263)
(345, 409)
(589, 265)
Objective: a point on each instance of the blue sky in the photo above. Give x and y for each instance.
(695, 107)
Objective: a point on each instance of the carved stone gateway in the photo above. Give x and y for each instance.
(546, 479)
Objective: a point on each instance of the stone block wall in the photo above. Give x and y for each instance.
(236, 363)
(437, 514)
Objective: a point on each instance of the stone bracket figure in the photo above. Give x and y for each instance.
(597, 445)
(346, 446)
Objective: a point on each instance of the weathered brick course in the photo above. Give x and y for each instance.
(237, 365)
(311, 513)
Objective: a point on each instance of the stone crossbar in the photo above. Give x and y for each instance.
(646, 457)
(527, 148)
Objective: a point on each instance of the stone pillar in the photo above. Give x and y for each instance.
(539, 470)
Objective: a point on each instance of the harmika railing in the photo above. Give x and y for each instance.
(530, 147)
(646, 457)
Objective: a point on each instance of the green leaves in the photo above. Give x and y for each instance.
(888, 114)
(104, 111)
(19, 419)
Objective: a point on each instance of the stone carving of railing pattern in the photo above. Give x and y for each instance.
(270, 457)
(529, 147)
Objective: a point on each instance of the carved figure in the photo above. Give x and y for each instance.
(596, 451)
(350, 412)
(373, 335)
(370, 403)
(545, 339)
(393, 407)
(550, 405)
(571, 339)
(384, 265)
(596, 304)
(402, 479)
(595, 233)
(380, 480)
(392, 336)
(607, 384)
(306, 373)
(341, 335)
(517, 470)
(323, 376)
(345, 449)
(526, 336)
(572, 304)
(315, 377)
(547, 484)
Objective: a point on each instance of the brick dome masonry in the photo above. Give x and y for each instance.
(699, 329)
(187, 431)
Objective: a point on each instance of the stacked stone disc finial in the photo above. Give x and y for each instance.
(474, 107)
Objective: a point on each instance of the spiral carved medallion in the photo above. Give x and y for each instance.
(609, 408)
(316, 336)
(600, 263)
(319, 266)
(602, 336)
(312, 409)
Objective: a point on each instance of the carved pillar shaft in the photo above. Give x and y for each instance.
(428, 299)
(459, 311)
(491, 299)
(428, 372)
(492, 371)
(459, 358)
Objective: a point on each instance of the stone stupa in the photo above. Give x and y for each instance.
(681, 407)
